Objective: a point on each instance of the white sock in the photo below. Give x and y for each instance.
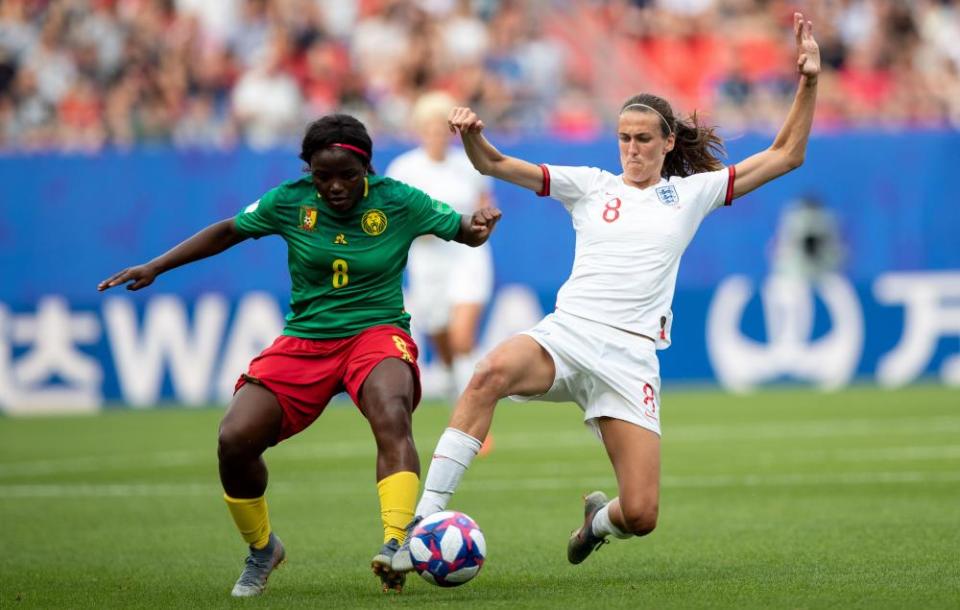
(462, 372)
(455, 450)
(602, 525)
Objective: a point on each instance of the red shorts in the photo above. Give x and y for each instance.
(304, 374)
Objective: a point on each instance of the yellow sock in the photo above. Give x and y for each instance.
(252, 519)
(398, 494)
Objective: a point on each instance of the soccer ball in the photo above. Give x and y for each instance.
(447, 548)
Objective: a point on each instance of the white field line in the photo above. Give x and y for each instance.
(579, 437)
(576, 437)
(174, 459)
(356, 449)
(80, 490)
(697, 433)
(873, 454)
(817, 429)
(165, 459)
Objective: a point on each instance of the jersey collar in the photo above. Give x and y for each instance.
(624, 184)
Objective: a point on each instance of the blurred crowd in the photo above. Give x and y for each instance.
(84, 75)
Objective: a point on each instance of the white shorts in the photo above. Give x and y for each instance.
(607, 371)
(443, 275)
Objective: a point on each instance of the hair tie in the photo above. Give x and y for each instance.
(638, 105)
(355, 149)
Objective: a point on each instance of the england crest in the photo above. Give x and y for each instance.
(667, 194)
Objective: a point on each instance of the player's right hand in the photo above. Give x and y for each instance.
(141, 276)
(464, 120)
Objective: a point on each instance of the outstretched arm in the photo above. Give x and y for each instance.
(475, 229)
(214, 239)
(486, 158)
(790, 146)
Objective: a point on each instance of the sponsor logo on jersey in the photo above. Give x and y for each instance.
(667, 194)
(340, 239)
(373, 222)
(308, 218)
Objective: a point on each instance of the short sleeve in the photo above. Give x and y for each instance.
(566, 184)
(260, 217)
(713, 189)
(429, 216)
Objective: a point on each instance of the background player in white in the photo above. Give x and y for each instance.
(598, 348)
(448, 289)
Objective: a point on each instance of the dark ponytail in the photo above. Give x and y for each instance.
(697, 148)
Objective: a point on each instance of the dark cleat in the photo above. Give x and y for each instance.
(260, 563)
(382, 566)
(583, 541)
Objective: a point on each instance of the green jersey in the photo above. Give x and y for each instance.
(346, 267)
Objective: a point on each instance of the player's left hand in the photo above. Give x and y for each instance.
(483, 221)
(808, 52)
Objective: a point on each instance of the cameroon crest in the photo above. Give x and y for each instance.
(308, 218)
(373, 222)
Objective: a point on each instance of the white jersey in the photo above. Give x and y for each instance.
(443, 274)
(629, 242)
(453, 181)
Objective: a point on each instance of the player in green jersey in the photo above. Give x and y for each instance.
(347, 232)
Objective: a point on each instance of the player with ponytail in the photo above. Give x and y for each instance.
(598, 349)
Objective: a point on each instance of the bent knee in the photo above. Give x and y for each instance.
(391, 419)
(491, 376)
(234, 443)
(640, 520)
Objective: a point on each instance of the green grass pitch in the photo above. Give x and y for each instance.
(782, 499)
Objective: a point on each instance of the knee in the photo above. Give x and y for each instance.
(395, 419)
(390, 417)
(639, 518)
(491, 376)
(233, 443)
